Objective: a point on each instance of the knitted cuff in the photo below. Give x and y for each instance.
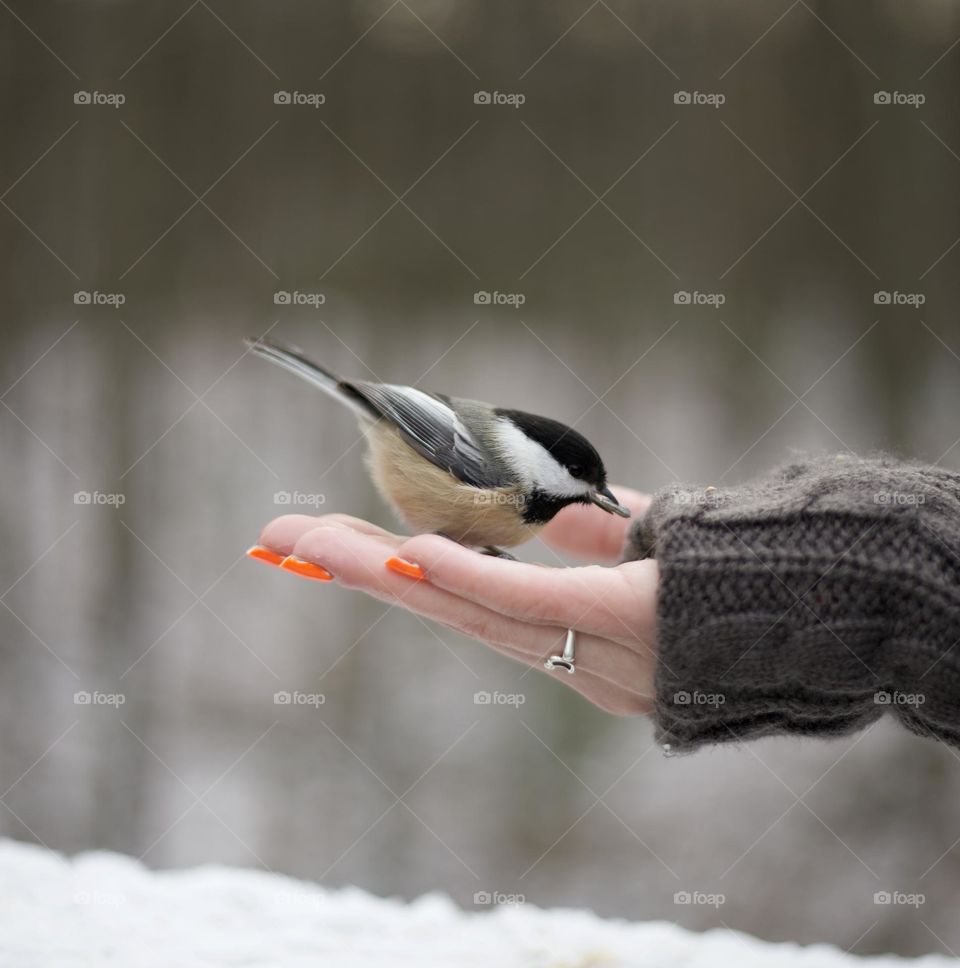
(811, 601)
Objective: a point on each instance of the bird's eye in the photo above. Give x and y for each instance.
(575, 470)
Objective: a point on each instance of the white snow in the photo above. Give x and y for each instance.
(105, 909)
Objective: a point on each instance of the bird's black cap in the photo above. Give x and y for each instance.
(566, 445)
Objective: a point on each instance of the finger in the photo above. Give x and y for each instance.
(282, 533)
(356, 561)
(590, 532)
(593, 599)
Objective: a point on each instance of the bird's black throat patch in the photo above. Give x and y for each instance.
(540, 507)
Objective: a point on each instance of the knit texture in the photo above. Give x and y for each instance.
(810, 601)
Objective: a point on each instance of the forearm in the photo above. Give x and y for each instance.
(810, 602)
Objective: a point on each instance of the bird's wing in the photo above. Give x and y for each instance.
(431, 426)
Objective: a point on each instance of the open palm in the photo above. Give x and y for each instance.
(519, 609)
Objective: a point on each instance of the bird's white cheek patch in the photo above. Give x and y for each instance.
(533, 463)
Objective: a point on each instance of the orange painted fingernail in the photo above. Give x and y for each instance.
(403, 567)
(259, 553)
(305, 568)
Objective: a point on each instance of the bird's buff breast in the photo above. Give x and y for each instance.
(429, 499)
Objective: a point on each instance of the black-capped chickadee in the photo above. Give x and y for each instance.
(481, 475)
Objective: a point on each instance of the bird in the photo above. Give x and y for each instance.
(486, 477)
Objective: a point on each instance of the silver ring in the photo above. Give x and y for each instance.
(564, 661)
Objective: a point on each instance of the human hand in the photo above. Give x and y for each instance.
(521, 610)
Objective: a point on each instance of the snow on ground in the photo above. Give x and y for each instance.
(105, 909)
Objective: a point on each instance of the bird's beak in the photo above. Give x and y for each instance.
(604, 498)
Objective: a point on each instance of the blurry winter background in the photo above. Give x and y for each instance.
(709, 232)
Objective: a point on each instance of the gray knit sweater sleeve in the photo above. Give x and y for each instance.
(811, 601)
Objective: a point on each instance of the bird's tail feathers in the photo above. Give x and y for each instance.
(292, 359)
